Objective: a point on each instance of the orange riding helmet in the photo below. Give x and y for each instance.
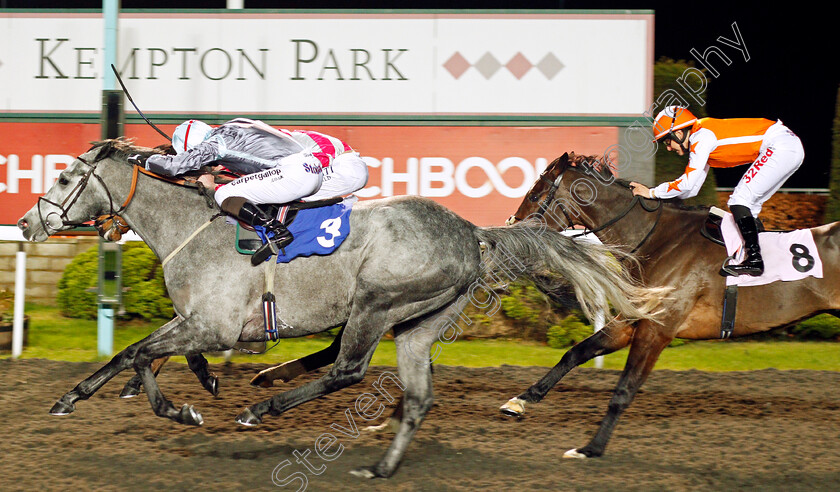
(669, 120)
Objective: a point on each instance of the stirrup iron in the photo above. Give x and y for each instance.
(724, 269)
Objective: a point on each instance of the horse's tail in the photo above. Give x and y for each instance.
(554, 262)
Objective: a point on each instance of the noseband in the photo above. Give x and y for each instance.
(547, 200)
(550, 196)
(111, 226)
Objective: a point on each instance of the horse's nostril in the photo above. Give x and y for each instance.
(23, 224)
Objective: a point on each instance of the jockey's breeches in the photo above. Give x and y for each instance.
(295, 177)
(347, 173)
(780, 156)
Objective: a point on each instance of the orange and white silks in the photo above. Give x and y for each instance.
(773, 151)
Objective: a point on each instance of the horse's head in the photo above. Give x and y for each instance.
(80, 194)
(567, 186)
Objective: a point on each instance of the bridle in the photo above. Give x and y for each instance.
(112, 225)
(549, 198)
(64, 207)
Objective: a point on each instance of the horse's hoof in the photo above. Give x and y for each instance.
(212, 385)
(514, 407)
(261, 380)
(61, 408)
(129, 391)
(365, 472)
(573, 453)
(391, 425)
(248, 418)
(189, 416)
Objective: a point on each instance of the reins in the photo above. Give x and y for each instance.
(111, 226)
(187, 241)
(641, 202)
(554, 185)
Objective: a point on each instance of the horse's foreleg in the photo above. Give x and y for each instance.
(294, 368)
(186, 339)
(134, 385)
(119, 363)
(198, 365)
(605, 341)
(160, 405)
(648, 343)
(86, 389)
(393, 422)
(196, 362)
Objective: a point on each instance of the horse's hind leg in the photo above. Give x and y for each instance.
(357, 346)
(648, 343)
(605, 341)
(415, 374)
(294, 368)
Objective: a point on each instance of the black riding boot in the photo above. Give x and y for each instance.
(252, 215)
(752, 265)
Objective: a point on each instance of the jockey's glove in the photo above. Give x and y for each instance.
(137, 160)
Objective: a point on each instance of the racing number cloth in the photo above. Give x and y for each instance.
(317, 231)
(787, 255)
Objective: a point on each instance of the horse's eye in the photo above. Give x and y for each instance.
(534, 198)
(63, 181)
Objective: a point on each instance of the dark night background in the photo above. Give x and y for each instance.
(792, 73)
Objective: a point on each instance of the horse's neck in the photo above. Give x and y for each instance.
(165, 215)
(649, 230)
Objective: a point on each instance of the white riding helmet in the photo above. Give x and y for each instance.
(189, 134)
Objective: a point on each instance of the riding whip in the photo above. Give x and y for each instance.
(135, 106)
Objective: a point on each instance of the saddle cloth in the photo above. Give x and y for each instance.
(787, 256)
(316, 231)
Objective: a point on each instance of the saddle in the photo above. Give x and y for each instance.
(788, 256)
(249, 241)
(711, 228)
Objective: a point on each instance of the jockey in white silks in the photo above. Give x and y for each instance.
(277, 166)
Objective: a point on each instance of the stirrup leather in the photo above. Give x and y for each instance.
(273, 246)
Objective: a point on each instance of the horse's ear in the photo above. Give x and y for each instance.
(103, 150)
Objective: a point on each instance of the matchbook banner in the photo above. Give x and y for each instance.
(334, 63)
(482, 173)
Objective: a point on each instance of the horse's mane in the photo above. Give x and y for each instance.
(603, 166)
(123, 147)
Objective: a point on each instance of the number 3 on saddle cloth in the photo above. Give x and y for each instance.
(316, 231)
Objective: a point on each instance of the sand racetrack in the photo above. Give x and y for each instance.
(760, 430)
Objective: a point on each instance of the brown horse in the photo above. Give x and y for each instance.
(672, 252)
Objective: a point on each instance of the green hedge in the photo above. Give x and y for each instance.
(569, 332)
(7, 306)
(832, 212)
(559, 327)
(820, 327)
(142, 278)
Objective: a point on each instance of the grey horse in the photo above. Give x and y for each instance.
(408, 265)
